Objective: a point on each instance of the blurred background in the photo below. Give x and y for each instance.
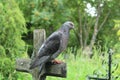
(97, 28)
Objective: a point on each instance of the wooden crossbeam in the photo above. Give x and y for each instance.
(58, 70)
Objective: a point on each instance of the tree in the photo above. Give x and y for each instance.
(91, 17)
(90, 27)
(12, 26)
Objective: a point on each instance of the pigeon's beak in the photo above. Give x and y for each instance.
(73, 27)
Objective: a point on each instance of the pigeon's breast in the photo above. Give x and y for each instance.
(65, 41)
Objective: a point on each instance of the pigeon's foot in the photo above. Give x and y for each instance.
(56, 62)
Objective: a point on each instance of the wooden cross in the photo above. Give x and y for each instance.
(22, 65)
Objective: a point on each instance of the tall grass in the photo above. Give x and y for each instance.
(78, 68)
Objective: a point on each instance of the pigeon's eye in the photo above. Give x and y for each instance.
(71, 24)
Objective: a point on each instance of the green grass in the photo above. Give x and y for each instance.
(78, 69)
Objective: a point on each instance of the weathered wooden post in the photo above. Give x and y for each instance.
(38, 38)
(58, 70)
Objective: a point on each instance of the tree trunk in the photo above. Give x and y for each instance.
(80, 27)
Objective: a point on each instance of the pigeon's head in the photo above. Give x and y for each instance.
(69, 24)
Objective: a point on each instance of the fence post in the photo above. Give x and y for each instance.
(39, 37)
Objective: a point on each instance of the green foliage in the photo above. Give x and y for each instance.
(23, 76)
(12, 26)
(51, 14)
(44, 14)
(117, 26)
(7, 71)
(16, 15)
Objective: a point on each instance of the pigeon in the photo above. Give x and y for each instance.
(53, 46)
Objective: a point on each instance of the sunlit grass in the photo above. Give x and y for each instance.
(78, 69)
(24, 76)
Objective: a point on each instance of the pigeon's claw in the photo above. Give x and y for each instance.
(56, 62)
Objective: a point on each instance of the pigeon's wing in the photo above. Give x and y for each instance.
(48, 48)
(51, 45)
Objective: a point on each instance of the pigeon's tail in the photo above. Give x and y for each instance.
(39, 62)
